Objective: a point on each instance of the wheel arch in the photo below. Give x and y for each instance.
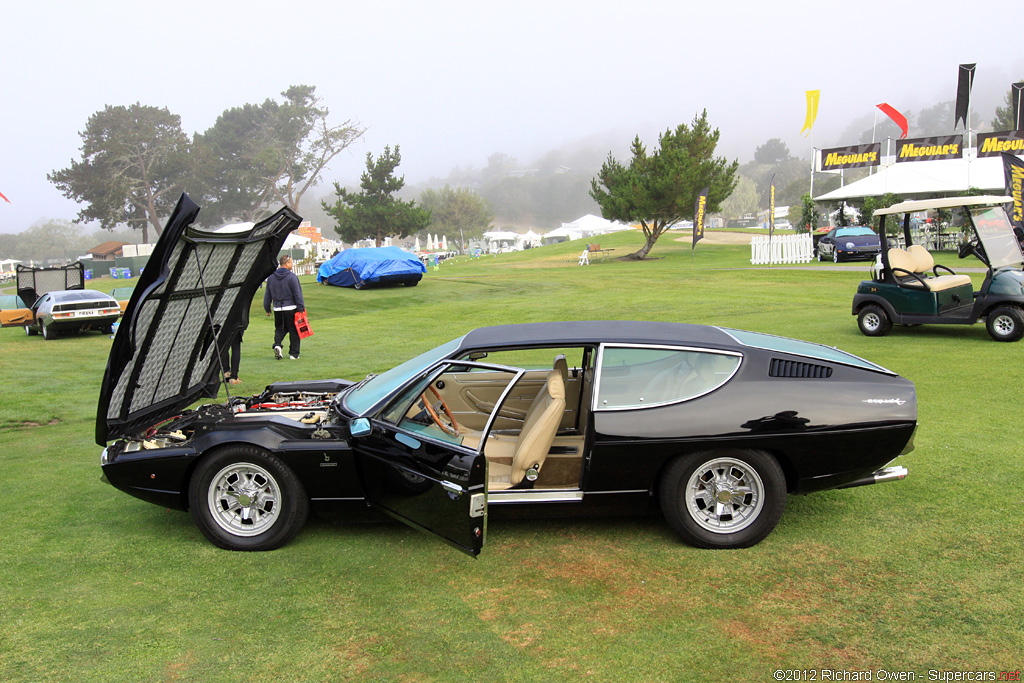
(788, 468)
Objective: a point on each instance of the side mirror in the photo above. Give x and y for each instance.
(359, 427)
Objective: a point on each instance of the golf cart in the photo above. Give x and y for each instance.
(910, 289)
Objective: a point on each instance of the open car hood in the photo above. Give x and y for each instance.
(192, 298)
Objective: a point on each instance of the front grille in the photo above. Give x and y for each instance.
(790, 368)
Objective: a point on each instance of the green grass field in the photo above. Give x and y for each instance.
(909, 576)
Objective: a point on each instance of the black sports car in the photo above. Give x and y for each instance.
(847, 244)
(714, 425)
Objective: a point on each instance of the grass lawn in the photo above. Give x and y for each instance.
(909, 576)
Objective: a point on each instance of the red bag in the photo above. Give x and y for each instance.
(302, 325)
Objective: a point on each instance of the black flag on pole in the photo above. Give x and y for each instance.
(1013, 166)
(963, 93)
(1016, 93)
(698, 216)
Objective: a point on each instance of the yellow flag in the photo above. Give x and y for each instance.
(812, 111)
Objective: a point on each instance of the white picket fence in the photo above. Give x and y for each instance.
(781, 249)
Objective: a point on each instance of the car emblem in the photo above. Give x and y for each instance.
(897, 401)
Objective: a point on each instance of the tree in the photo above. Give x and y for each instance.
(743, 199)
(808, 215)
(1004, 115)
(772, 152)
(375, 213)
(134, 166)
(254, 155)
(660, 189)
(460, 212)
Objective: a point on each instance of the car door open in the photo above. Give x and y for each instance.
(420, 466)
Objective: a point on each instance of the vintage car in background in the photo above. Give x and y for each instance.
(73, 310)
(848, 244)
(13, 311)
(911, 289)
(714, 426)
(371, 267)
(122, 295)
(55, 301)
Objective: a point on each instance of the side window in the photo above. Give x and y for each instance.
(642, 377)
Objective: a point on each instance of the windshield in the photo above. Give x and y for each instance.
(373, 391)
(996, 235)
(854, 232)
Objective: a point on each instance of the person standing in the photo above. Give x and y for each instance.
(283, 297)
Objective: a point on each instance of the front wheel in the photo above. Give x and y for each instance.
(821, 256)
(245, 499)
(874, 321)
(723, 499)
(30, 330)
(1005, 323)
(835, 256)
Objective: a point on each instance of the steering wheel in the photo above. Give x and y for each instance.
(454, 428)
(969, 247)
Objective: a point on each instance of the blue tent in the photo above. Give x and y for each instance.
(374, 266)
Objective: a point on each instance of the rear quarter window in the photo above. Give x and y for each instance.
(632, 377)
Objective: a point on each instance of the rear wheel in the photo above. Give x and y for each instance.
(1005, 323)
(723, 499)
(242, 498)
(47, 333)
(874, 321)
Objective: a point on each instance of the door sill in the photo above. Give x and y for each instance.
(534, 496)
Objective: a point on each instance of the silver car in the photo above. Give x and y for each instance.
(73, 310)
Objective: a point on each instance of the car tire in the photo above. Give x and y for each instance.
(723, 499)
(835, 256)
(47, 333)
(412, 283)
(243, 498)
(1005, 323)
(31, 331)
(821, 256)
(873, 321)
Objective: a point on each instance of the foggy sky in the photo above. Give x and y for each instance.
(453, 82)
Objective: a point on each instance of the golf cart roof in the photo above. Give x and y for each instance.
(942, 203)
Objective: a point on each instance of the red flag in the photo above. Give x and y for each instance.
(899, 118)
(4, 198)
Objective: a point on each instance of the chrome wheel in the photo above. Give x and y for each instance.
(1003, 325)
(244, 499)
(871, 321)
(724, 495)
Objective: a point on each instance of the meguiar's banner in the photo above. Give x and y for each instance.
(855, 156)
(1014, 168)
(992, 144)
(929, 149)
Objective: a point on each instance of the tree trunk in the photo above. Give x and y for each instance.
(652, 234)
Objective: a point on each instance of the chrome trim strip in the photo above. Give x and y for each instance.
(519, 373)
(528, 496)
(317, 499)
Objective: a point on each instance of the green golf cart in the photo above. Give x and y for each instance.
(910, 289)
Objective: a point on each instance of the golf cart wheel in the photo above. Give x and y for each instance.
(1005, 323)
(874, 321)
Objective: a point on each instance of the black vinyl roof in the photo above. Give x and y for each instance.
(594, 331)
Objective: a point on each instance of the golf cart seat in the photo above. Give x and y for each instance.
(910, 267)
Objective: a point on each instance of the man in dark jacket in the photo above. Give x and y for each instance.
(283, 296)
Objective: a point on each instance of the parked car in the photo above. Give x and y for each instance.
(122, 295)
(714, 426)
(32, 283)
(73, 310)
(911, 289)
(848, 244)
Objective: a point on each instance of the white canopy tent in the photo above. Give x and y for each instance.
(590, 225)
(925, 178)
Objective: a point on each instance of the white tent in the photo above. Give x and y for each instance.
(925, 178)
(562, 234)
(531, 238)
(590, 225)
(498, 240)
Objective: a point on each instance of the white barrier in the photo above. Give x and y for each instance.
(781, 249)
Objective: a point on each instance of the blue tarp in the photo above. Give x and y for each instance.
(360, 267)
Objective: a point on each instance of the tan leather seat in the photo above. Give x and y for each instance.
(925, 263)
(917, 259)
(531, 448)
